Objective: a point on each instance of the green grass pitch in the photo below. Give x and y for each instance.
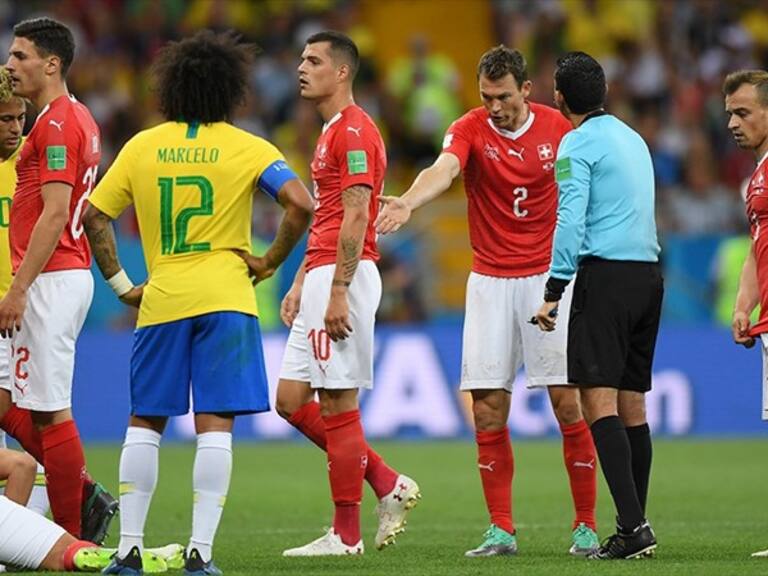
(708, 505)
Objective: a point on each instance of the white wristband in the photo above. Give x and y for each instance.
(120, 283)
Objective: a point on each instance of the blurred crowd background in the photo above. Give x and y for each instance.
(665, 62)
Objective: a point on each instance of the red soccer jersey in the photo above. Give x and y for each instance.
(511, 190)
(349, 152)
(63, 146)
(757, 212)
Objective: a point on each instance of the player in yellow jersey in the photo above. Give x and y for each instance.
(191, 181)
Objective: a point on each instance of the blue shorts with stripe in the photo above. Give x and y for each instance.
(218, 356)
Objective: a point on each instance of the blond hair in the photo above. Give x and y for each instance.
(756, 78)
(6, 85)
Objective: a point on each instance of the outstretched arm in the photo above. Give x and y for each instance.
(429, 184)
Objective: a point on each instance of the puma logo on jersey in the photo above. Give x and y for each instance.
(355, 130)
(590, 464)
(516, 154)
(57, 124)
(488, 466)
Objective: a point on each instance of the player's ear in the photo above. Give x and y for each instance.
(343, 72)
(52, 65)
(525, 88)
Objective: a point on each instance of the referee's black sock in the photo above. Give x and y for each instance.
(642, 453)
(615, 454)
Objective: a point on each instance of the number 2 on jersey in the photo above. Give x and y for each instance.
(173, 233)
(521, 194)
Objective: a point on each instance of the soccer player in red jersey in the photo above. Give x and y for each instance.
(51, 292)
(506, 150)
(746, 103)
(332, 305)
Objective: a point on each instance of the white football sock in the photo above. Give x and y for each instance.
(38, 500)
(138, 478)
(210, 483)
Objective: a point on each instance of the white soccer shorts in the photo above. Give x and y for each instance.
(26, 537)
(499, 339)
(5, 363)
(310, 355)
(43, 351)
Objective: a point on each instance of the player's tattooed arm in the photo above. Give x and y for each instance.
(298, 205)
(356, 201)
(101, 237)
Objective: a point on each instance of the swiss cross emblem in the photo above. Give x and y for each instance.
(545, 151)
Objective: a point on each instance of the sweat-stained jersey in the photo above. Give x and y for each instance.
(349, 152)
(511, 191)
(192, 188)
(7, 188)
(757, 213)
(63, 146)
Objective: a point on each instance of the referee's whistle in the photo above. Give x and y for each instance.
(552, 314)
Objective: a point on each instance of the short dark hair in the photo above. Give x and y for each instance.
(500, 61)
(203, 78)
(342, 46)
(756, 78)
(581, 81)
(50, 37)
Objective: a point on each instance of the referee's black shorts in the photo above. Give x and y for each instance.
(613, 324)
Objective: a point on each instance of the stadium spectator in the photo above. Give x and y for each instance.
(508, 144)
(332, 304)
(45, 305)
(197, 326)
(746, 103)
(606, 229)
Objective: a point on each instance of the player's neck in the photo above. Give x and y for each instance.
(48, 94)
(521, 119)
(329, 107)
(761, 150)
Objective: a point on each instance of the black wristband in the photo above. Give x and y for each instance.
(554, 289)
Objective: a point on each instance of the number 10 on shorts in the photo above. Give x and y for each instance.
(321, 344)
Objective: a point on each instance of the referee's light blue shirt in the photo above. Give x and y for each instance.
(606, 187)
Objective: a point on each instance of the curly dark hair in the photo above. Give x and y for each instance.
(203, 78)
(581, 81)
(500, 61)
(49, 37)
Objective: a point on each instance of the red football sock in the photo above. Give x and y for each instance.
(68, 558)
(497, 466)
(64, 463)
(581, 463)
(17, 422)
(308, 421)
(346, 468)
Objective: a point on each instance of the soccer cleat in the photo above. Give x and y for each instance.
(497, 542)
(392, 510)
(761, 554)
(173, 554)
(194, 566)
(584, 541)
(639, 543)
(153, 560)
(99, 507)
(131, 565)
(329, 544)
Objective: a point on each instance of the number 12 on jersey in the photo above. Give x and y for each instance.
(173, 232)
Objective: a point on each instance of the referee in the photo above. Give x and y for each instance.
(606, 235)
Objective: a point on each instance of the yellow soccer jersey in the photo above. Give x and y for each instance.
(7, 188)
(192, 188)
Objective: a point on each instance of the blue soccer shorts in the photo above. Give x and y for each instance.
(218, 356)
